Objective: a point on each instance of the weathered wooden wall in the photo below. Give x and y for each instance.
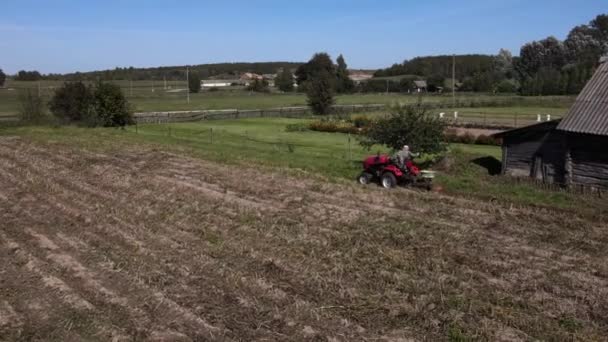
(589, 158)
(534, 152)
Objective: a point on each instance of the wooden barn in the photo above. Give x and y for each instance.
(572, 151)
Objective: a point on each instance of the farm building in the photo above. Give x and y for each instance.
(572, 151)
(420, 86)
(218, 83)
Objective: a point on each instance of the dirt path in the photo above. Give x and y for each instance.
(154, 246)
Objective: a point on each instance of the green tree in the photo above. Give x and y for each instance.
(320, 92)
(284, 80)
(343, 82)
(407, 125)
(194, 82)
(320, 62)
(28, 76)
(111, 108)
(2, 78)
(72, 102)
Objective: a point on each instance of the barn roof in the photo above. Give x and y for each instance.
(589, 114)
(420, 84)
(541, 126)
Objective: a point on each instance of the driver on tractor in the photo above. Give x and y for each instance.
(404, 156)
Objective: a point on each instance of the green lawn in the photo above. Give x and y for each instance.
(335, 157)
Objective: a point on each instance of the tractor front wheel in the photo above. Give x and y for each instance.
(388, 180)
(365, 178)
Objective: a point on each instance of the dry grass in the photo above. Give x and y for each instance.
(156, 246)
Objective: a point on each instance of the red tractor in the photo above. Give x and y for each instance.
(382, 169)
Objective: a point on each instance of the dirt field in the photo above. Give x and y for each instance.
(146, 245)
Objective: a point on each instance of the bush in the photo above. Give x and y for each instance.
(31, 107)
(72, 102)
(214, 89)
(259, 85)
(333, 126)
(486, 140)
(361, 121)
(105, 105)
(111, 107)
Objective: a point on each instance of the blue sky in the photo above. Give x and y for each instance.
(76, 35)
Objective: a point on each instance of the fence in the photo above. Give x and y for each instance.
(496, 120)
(287, 112)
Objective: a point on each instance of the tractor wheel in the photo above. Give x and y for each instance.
(388, 180)
(365, 178)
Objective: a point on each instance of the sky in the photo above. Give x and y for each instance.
(60, 36)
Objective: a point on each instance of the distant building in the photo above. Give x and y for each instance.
(571, 151)
(360, 76)
(218, 83)
(420, 86)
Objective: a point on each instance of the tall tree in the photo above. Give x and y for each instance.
(320, 62)
(320, 92)
(284, 80)
(2, 78)
(343, 82)
(504, 63)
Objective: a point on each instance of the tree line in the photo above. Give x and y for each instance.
(170, 73)
(545, 67)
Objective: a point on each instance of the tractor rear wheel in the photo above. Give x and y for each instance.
(389, 180)
(365, 178)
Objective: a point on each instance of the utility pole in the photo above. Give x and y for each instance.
(188, 83)
(131, 87)
(165, 81)
(38, 89)
(386, 87)
(454, 80)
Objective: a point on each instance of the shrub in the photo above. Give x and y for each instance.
(486, 140)
(333, 126)
(111, 107)
(259, 85)
(361, 121)
(31, 107)
(467, 138)
(72, 102)
(214, 89)
(105, 105)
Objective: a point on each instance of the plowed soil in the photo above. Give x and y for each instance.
(148, 245)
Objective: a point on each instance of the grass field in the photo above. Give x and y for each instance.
(143, 98)
(254, 233)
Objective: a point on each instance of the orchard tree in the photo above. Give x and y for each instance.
(2, 78)
(284, 80)
(194, 82)
(407, 125)
(343, 82)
